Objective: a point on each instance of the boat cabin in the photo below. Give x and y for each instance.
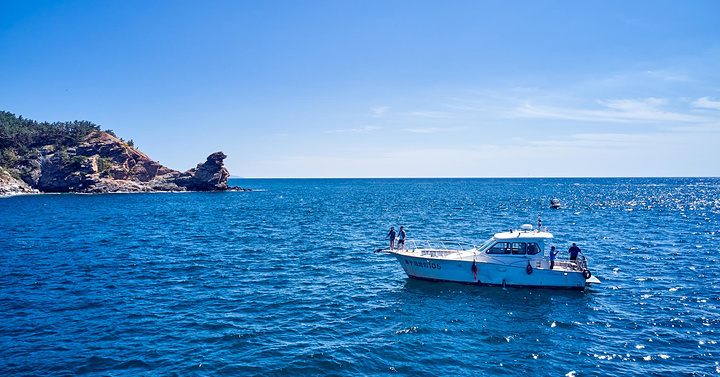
(521, 242)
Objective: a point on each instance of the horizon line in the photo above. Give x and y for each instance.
(495, 177)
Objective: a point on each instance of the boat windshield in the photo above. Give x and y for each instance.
(486, 244)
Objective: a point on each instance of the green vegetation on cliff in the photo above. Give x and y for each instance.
(18, 135)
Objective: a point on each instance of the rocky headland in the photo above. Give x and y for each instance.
(103, 163)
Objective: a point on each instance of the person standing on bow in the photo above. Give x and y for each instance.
(553, 253)
(574, 251)
(401, 239)
(391, 236)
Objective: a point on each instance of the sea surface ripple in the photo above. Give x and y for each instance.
(283, 281)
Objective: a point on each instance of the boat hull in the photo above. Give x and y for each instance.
(489, 273)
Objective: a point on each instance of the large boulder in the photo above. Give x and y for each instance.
(208, 176)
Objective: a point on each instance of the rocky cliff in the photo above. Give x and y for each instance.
(10, 185)
(102, 163)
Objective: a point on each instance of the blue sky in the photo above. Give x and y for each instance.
(380, 88)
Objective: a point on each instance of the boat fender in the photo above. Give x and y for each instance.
(474, 270)
(587, 274)
(529, 269)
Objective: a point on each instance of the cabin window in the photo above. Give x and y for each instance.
(518, 248)
(500, 248)
(533, 248)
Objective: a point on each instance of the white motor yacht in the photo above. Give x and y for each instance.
(517, 258)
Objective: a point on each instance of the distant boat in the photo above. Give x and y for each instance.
(515, 258)
(554, 203)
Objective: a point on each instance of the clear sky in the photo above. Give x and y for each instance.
(385, 88)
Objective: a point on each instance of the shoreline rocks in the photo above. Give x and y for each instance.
(105, 164)
(10, 185)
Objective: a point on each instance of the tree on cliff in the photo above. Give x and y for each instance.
(18, 135)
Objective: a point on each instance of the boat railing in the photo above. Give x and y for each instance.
(580, 264)
(438, 247)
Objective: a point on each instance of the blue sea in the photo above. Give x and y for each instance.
(283, 281)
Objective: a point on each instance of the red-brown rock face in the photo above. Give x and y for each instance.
(104, 163)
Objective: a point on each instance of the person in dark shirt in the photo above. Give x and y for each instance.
(553, 253)
(401, 239)
(391, 236)
(574, 250)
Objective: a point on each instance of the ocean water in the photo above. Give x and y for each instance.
(283, 281)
